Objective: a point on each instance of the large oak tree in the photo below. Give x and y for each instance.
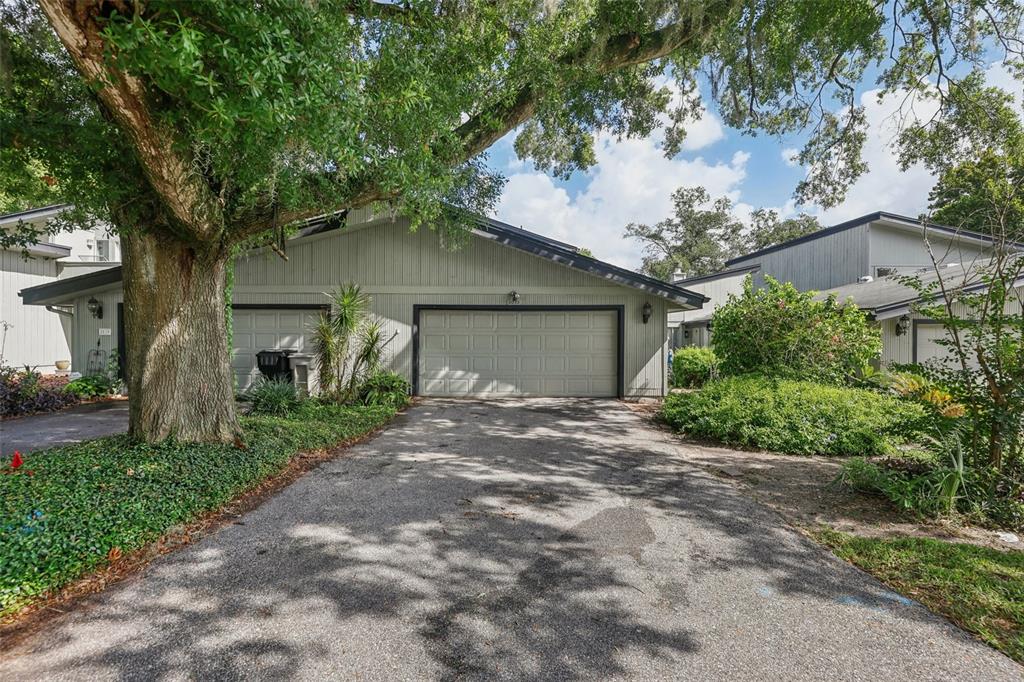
(194, 127)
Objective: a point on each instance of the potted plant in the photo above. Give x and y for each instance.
(62, 365)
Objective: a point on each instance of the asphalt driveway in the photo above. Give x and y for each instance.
(73, 425)
(523, 540)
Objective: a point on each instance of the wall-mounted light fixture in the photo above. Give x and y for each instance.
(95, 308)
(514, 297)
(647, 311)
(708, 325)
(902, 325)
(686, 333)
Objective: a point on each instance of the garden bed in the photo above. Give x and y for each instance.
(70, 511)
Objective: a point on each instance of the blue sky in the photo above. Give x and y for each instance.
(632, 181)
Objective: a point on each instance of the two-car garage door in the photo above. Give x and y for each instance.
(495, 353)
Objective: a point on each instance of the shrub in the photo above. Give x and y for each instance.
(796, 417)
(27, 392)
(692, 367)
(84, 501)
(92, 386)
(275, 397)
(385, 388)
(781, 331)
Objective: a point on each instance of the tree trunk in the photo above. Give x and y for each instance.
(179, 374)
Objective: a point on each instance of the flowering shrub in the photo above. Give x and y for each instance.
(28, 391)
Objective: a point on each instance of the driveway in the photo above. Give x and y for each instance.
(72, 425)
(538, 539)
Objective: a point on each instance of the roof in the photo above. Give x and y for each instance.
(721, 274)
(857, 222)
(888, 297)
(502, 233)
(43, 249)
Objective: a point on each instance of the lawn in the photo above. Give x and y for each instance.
(70, 510)
(979, 588)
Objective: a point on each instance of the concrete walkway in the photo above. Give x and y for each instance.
(538, 539)
(73, 425)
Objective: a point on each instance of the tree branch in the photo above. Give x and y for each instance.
(195, 212)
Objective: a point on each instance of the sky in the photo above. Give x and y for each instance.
(632, 180)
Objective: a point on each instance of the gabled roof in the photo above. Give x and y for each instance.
(877, 216)
(486, 228)
(888, 297)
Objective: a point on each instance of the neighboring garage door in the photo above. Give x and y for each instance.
(257, 329)
(496, 353)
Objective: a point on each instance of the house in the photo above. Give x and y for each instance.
(908, 337)
(839, 259)
(507, 313)
(38, 337)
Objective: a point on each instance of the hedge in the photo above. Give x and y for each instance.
(796, 417)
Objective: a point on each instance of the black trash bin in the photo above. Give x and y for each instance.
(274, 364)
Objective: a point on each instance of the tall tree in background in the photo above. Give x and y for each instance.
(702, 235)
(194, 127)
(693, 241)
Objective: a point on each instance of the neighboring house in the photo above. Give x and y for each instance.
(38, 337)
(509, 313)
(906, 336)
(865, 249)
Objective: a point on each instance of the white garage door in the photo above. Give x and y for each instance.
(930, 350)
(268, 329)
(483, 353)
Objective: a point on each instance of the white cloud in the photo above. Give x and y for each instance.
(789, 155)
(703, 132)
(631, 182)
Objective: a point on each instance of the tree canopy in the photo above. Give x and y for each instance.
(701, 234)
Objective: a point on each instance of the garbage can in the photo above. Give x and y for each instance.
(274, 364)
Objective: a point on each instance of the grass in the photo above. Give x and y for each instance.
(979, 588)
(71, 510)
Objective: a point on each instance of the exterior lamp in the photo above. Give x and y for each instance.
(513, 297)
(647, 311)
(708, 325)
(902, 325)
(95, 308)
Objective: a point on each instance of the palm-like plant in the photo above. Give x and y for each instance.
(348, 344)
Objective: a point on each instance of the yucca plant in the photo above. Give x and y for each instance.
(349, 345)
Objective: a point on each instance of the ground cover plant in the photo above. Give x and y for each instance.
(794, 417)
(27, 392)
(67, 511)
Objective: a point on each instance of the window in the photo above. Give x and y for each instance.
(103, 250)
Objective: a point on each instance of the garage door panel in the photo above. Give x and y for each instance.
(267, 329)
(556, 353)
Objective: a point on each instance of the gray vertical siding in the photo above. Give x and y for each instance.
(36, 337)
(823, 263)
(398, 268)
(891, 247)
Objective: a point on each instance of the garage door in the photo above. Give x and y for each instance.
(268, 329)
(518, 353)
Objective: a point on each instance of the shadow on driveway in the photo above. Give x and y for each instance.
(81, 422)
(536, 539)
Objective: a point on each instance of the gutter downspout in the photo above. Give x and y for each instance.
(61, 310)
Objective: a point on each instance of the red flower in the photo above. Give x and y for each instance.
(16, 461)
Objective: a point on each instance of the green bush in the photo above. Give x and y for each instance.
(781, 331)
(796, 417)
(692, 367)
(92, 386)
(275, 397)
(386, 388)
(82, 501)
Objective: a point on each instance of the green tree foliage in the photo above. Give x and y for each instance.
(778, 330)
(194, 127)
(702, 234)
(696, 240)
